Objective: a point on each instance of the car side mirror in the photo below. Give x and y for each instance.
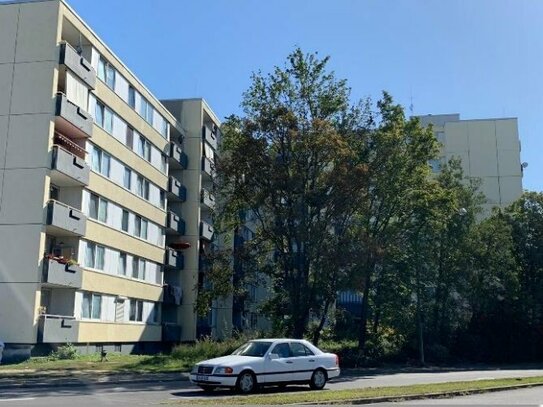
(273, 356)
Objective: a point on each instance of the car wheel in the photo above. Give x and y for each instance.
(207, 389)
(318, 380)
(246, 382)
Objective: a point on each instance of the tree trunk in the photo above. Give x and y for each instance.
(362, 334)
(317, 333)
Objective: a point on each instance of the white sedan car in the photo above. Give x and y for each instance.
(268, 362)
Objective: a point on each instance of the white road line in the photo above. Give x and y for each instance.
(20, 399)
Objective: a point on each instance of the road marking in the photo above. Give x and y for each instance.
(20, 399)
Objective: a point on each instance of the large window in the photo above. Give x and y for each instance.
(124, 221)
(142, 187)
(122, 264)
(100, 161)
(91, 306)
(138, 268)
(136, 310)
(103, 116)
(95, 256)
(106, 72)
(141, 226)
(98, 208)
(132, 97)
(127, 179)
(146, 110)
(144, 148)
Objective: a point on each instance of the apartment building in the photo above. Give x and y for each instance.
(104, 205)
(489, 150)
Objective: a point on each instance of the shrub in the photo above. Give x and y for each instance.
(65, 352)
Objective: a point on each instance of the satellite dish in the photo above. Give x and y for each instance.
(524, 164)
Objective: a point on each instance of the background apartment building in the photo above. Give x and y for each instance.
(489, 150)
(100, 204)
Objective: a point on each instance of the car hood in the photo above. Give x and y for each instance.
(230, 360)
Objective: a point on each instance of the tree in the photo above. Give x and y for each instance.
(291, 161)
(397, 151)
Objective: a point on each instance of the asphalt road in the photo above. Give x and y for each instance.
(154, 393)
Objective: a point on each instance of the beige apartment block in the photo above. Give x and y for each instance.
(105, 195)
(489, 150)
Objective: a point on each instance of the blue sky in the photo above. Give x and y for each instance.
(479, 58)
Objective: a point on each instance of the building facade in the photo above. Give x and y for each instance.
(489, 150)
(104, 209)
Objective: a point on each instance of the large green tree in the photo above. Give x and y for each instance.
(290, 160)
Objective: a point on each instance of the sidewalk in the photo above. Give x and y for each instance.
(64, 378)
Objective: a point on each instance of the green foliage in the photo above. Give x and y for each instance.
(65, 352)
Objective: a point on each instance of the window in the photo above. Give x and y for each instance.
(282, 349)
(153, 315)
(141, 227)
(91, 306)
(106, 72)
(98, 208)
(108, 120)
(164, 164)
(132, 97)
(298, 350)
(127, 179)
(129, 137)
(164, 128)
(138, 268)
(124, 222)
(122, 264)
(95, 256)
(162, 199)
(136, 310)
(146, 110)
(100, 161)
(142, 187)
(144, 148)
(103, 117)
(137, 229)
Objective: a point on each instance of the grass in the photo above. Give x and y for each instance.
(350, 395)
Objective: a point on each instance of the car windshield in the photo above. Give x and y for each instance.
(255, 349)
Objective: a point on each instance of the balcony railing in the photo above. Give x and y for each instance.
(77, 64)
(179, 159)
(174, 259)
(58, 329)
(71, 119)
(208, 199)
(208, 167)
(63, 220)
(210, 137)
(175, 224)
(68, 169)
(176, 190)
(60, 273)
(206, 231)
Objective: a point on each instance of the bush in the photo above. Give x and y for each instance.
(206, 349)
(65, 352)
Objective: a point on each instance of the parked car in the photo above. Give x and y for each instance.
(268, 362)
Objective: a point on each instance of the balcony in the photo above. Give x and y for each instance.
(208, 167)
(171, 332)
(178, 159)
(206, 231)
(175, 224)
(58, 329)
(177, 192)
(63, 220)
(173, 294)
(77, 64)
(210, 137)
(208, 199)
(59, 274)
(174, 259)
(68, 170)
(71, 119)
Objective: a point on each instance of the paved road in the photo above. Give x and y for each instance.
(157, 392)
(533, 396)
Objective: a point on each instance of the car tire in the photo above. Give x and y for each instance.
(318, 379)
(246, 382)
(207, 389)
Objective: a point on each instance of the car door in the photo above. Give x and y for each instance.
(304, 360)
(280, 368)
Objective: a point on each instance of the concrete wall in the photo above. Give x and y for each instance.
(28, 61)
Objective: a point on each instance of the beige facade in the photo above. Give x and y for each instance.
(489, 150)
(101, 191)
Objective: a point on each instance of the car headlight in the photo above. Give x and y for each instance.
(224, 370)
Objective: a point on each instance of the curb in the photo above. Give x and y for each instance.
(440, 395)
(48, 382)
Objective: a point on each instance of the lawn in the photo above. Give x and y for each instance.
(347, 396)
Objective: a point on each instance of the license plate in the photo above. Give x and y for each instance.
(201, 378)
